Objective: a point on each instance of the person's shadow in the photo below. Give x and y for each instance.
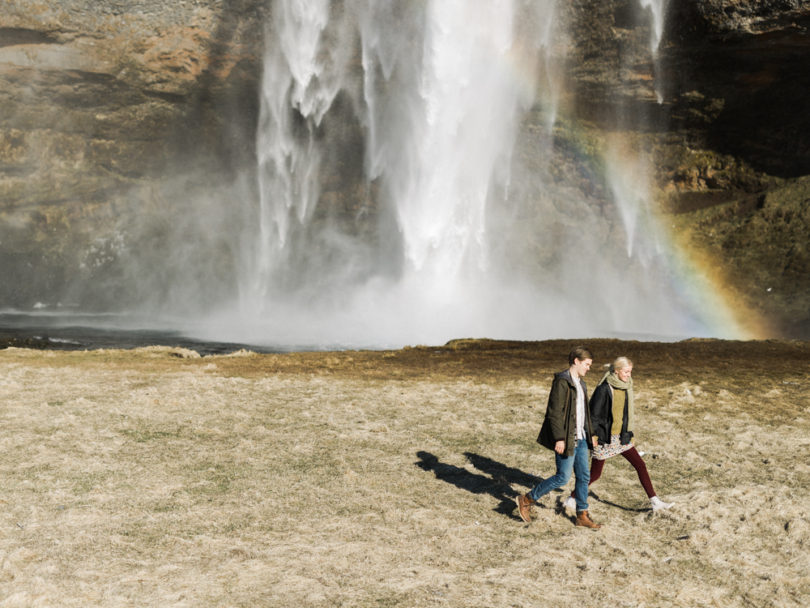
(616, 505)
(495, 478)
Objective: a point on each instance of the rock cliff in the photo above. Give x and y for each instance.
(111, 109)
(102, 104)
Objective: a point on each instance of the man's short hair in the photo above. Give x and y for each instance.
(581, 353)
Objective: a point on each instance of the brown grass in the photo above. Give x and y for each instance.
(157, 478)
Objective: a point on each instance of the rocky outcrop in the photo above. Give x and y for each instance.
(111, 109)
(101, 102)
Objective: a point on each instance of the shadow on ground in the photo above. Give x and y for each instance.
(495, 479)
(604, 501)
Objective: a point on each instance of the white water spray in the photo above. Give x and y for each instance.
(444, 233)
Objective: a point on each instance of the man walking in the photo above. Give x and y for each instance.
(567, 430)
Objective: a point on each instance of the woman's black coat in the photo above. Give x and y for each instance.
(601, 405)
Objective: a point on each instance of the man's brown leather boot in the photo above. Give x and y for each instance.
(524, 504)
(583, 519)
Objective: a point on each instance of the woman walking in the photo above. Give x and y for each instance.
(612, 417)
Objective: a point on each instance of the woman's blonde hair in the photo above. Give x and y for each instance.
(620, 363)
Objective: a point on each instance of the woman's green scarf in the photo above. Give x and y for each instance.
(613, 380)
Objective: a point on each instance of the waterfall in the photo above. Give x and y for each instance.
(461, 130)
(657, 9)
(403, 199)
(657, 12)
(629, 168)
(627, 173)
(300, 81)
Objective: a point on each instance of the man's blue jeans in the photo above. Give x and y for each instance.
(580, 463)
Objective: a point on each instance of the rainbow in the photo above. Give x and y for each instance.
(702, 283)
(697, 277)
(707, 286)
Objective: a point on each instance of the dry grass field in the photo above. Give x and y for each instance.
(155, 477)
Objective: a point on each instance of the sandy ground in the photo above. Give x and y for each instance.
(155, 477)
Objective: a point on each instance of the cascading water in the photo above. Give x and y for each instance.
(459, 138)
(403, 200)
(300, 81)
(657, 10)
(628, 169)
(440, 147)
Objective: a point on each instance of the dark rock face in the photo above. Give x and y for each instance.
(738, 76)
(751, 58)
(111, 110)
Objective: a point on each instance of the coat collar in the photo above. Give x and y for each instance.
(566, 374)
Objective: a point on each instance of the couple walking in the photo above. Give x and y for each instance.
(574, 426)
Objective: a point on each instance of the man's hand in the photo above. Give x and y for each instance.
(595, 440)
(559, 447)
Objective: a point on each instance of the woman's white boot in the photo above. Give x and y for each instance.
(659, 505)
